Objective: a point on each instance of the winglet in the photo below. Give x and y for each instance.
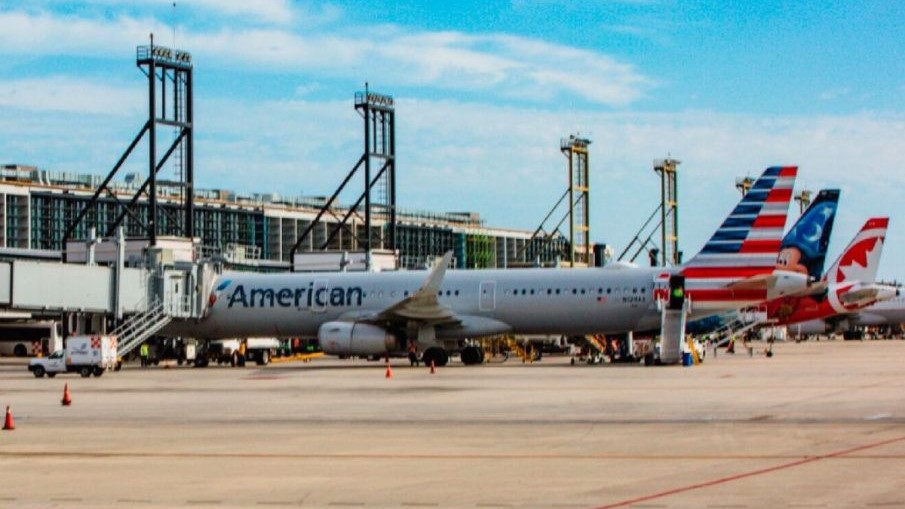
(423, 305)
(432, 284)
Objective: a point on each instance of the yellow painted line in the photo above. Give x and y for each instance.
(297, 357)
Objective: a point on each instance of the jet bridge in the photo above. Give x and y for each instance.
(117, 281)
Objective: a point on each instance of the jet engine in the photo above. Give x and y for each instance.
(351, 338)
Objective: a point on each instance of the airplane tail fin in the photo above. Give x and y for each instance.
(748, 241)
(737, 265)
(804, 247)
(861, 259)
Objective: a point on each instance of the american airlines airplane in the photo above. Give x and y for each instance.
(379, 313)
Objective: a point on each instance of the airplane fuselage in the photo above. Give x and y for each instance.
(527, 301)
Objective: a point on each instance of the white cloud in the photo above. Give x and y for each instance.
(517, 67)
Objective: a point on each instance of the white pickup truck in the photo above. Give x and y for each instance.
(85, 355)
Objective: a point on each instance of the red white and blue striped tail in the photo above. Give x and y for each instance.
(735, 265)
(861, 259)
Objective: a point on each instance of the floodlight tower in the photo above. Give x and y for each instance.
(170, 104)
(804, 200)
(669, 211)
(576, 150)
(743, 184)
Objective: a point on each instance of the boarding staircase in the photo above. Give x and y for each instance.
(741, 322)
(140, 327)
(672, 334)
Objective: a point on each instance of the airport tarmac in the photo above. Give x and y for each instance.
(818, 425)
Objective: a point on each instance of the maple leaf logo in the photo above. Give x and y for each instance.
(860, 262)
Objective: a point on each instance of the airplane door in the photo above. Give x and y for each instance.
(321, 295)
(487, 297)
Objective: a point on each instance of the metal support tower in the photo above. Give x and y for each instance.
(804, 200)
(576, 151)
(669, 211)
(743, 184)
(379, 117)
(164, 67)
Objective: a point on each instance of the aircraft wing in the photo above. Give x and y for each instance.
(758, 282)
(868, 293)
(423, 305)
(779, 283)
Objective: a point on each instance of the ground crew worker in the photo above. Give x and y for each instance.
(143, 353)
(413, 354)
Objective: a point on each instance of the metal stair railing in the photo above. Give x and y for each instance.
(745, 320)
(140, 327)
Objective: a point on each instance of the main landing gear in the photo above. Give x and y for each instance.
(436, 355)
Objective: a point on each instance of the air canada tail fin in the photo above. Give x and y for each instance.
(804, 247)
(748, 241)
(861, 259)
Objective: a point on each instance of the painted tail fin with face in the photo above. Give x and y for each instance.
(804, 247)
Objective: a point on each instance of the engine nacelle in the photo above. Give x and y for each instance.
(351, 338)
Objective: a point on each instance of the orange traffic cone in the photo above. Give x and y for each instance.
(67, 400)
(389, 370)
(8, 424)
(433, 370)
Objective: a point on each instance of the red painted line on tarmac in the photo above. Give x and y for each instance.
(744, 475)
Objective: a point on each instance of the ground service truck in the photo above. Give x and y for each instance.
(85, 355)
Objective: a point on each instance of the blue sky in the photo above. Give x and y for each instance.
(484, 91)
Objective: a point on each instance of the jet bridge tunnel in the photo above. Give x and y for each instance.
(124, 287)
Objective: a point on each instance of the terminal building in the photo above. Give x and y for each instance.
(37, 206)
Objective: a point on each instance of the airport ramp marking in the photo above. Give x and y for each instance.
(430, 457)
(752, 473)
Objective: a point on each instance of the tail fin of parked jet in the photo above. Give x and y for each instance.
(748, 241)
(850, 280)
(737, 266)
(860, 260)
(804, 247)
